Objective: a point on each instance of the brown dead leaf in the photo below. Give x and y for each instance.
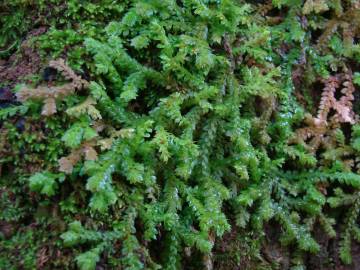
(49, 107)
(66, 164)
(90, 153)
(42, 257)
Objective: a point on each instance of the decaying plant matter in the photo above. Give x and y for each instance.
(49, 94)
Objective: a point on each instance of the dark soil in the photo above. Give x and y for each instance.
(233, 253)
(24, 62)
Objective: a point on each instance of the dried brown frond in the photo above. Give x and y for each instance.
(348, 95)
(49, 95)
(77, 82)
(42, 257)
(85, 151)
(312, 135)
(87, 107)
(343, 107)
(49, 107)
(324, 131)
(66, 164)
(327, 99)
(89, 153)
